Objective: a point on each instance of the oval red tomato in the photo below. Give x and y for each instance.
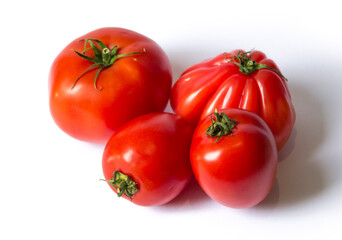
(147, 159)
(256, 85)
(237, 169)
(137, 82)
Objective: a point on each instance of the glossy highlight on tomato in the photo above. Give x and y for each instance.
(95, 90)
(245, 80)
(147, 160)
(236, 165)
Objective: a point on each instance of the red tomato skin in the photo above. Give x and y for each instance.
(217, 84)
(132, 86)
(153, 150)
(239, 170)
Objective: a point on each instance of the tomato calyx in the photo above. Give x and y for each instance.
(221, 125)
(247, 65)
(103, 57)
(123, 184)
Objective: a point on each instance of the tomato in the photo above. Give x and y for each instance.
(106, 78)
(147, 159)
(246, 80)
(234, 157)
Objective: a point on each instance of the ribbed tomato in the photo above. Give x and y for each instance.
(246, 80)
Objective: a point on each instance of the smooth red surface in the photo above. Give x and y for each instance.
(153, 150)
(215, 83)
(239, 170)
(132, 86)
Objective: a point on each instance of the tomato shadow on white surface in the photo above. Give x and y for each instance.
(191, 198)
(270, 202)
(96, 146)
(300, 176)
(286, 151)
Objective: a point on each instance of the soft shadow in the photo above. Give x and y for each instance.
(300, 178)
(289, 146)
(168, 108)
(192, 197)
(97, 146)
(271, 200)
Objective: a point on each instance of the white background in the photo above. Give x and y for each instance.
(49, 182)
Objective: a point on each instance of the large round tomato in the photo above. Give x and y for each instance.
(247, 80)
(234, 157)
(105, 78)
(147, 159)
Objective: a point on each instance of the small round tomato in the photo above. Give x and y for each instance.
(147, 159)
(234, 157)
(106, 78)
(246, 80)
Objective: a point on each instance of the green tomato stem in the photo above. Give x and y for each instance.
(247, 65)
(103, 58)
(123, 184)
(221, 125)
